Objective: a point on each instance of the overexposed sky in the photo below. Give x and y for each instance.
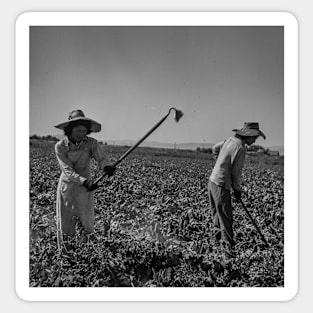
(127, 78)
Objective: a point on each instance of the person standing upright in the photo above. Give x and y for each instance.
(75, 192)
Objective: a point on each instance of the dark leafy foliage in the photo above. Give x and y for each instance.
(153, 226)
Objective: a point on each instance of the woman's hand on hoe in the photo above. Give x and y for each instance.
(90, 184)
(109, 169)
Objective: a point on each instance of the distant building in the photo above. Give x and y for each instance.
(271, 152)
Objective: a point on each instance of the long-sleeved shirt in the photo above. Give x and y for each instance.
(228, 167)
(75, 161)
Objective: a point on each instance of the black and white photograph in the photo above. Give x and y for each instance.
(157, 158)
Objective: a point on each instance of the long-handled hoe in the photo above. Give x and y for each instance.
(178, 115)
(254, 223)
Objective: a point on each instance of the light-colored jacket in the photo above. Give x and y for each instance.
(73, 199)
(227, 170)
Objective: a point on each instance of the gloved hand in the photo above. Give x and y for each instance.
(90, 185)
(109, 169)
(237, 194)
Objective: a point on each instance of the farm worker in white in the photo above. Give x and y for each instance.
(226, 175)
(75, 196)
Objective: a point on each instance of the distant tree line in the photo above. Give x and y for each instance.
(103, 143)
(48, 137)
(204, 150)
(259, 149)
(256, 148)
(252, 148)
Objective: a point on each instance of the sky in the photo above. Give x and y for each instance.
(127, 78)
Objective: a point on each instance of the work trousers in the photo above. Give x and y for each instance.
(220, 202)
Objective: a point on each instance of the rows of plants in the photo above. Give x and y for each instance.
(153, 227)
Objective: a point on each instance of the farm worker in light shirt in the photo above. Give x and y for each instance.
(226, 175)
(75, 195)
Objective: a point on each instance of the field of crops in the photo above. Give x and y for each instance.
(153, 225)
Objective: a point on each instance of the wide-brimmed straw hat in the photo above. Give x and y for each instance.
(78, 115)
(250, 129)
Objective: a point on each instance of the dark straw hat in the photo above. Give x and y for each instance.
(250, 129)
(78, 115)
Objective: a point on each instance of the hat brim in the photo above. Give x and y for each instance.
(249, 132)
(95, 126)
